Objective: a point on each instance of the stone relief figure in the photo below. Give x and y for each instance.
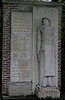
(45, 53)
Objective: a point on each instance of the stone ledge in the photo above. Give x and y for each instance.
(30, 97)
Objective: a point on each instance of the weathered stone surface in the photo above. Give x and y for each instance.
(20, 88)
(44, 92)
(21, 46)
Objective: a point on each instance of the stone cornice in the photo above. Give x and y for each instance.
(34, 3)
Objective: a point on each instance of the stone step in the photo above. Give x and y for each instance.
(21, 98)
(29, 98)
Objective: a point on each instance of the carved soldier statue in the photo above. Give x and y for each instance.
(45, 53)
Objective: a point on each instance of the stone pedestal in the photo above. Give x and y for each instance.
(20, 88)
(43, 92)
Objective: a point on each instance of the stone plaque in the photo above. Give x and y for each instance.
(21, 46)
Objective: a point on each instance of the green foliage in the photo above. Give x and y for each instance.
(60, 0)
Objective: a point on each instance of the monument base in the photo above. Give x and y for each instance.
(44, 92)
(20, 88)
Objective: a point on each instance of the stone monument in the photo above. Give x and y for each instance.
(45, 50)
(31, 48)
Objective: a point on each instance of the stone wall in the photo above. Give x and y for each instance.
(7, 8)
(6, 49)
